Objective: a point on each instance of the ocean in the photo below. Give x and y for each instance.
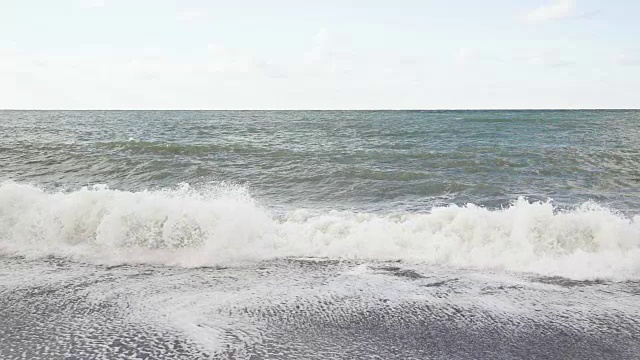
(320, 234)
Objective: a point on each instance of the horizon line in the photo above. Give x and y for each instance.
(312, 109)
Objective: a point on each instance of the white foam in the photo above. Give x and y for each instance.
(224, 224)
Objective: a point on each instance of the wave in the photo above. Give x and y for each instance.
(135, 146)
(224, 224)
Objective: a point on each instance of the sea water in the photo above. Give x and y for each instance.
(320, 234)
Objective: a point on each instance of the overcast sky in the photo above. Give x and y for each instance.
(330, 54)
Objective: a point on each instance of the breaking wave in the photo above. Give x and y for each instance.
(224, 224)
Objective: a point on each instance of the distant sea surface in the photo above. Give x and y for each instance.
(320, 234)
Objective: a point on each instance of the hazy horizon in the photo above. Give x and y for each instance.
(310, 109)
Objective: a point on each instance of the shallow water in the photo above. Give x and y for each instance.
(312, 309)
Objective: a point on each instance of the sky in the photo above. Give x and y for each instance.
(330, 54)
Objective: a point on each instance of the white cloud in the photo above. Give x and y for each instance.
(549, 58)
(627, 59)
(464, 55)
(190, 15)
(556, 10)
(321, 49)
(336, 73)
(329, 53)
(93, 3)
(223, 60)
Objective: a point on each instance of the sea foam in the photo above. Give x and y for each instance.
(224, 224)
